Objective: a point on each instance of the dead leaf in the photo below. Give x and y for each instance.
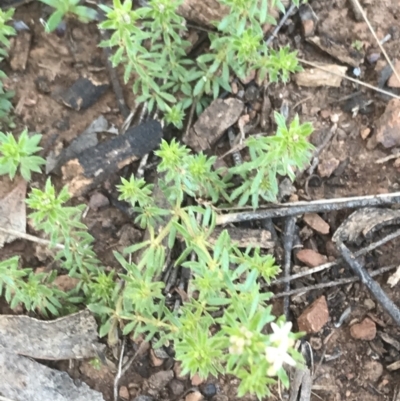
(13, 212)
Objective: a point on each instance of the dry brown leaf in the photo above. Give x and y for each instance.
(13, 212)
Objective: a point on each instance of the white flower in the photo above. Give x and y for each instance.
(276, 354)
(280, 335)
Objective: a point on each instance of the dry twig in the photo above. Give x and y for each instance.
(318, 206)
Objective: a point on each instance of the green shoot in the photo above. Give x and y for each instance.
(66, 9)
(19, 154)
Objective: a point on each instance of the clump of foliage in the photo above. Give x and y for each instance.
(65, 9)
(272, 156)
(224, 277)
(19, 154)
(6, 31)
(149, 44)
(244, 338)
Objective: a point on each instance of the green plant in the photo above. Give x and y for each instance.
(5, 32)
(271, 156)
(244, 338)
(357, 44)
(33, 290)
(166, 77)
(19, 154)
(65, 9)
(224, 277)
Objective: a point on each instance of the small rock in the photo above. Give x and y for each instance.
(393, 82)
(124, 393)
(314, 317)
(327, 166)
(194, 396)
(251, 93)
(373, 370)
(156, 362)
(365, 133)
(65, 283)
(308, 28)
(160, 379)
(42, 84)
(396, 163)
(388, 125)
(311, 258)
(369, 304)
(213, 122)
(197, 380)
(366, 330)
(20, 51)
(308, 20)
(316, 223)
(208, 390)
(98, 200)
(177, 388)
(373, 57)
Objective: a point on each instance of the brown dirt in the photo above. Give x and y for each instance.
(352, 369)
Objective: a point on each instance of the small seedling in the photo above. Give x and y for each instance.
(19, 154)
(67, 9)
(357, 44)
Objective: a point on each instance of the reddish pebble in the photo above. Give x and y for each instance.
(311, 258)
(124, 393)
(366, 330)
(197, 380)
(314, 317)
(316, 223)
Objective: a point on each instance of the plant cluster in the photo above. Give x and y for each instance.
(224, 323)
(224, 277)
(6, 31)
(148, 43)
(20, 154)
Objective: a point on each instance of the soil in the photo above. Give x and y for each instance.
(345, 368)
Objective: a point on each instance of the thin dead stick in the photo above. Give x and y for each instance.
(190, 119)
(342, 281)
(326, 266)
(361, 10)
(280, 25)
(349, 79)
(374, 288)
(119, 374)
(318, 206)
(287, 246)
(387, 158)
(29, 237)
